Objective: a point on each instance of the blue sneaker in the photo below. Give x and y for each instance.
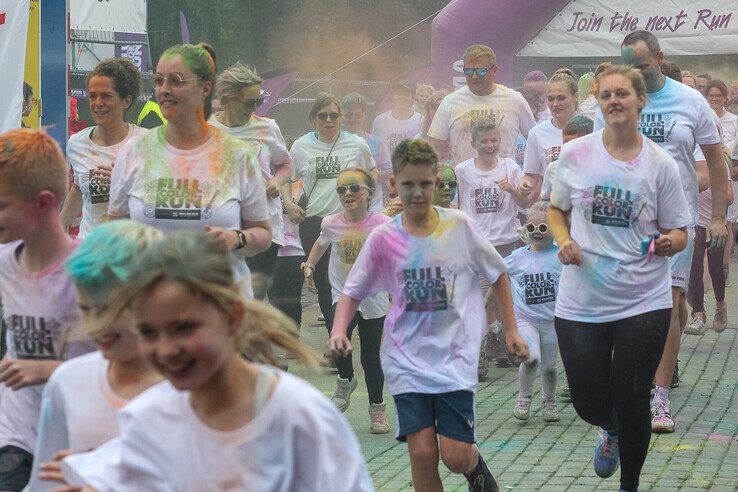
(606, 455)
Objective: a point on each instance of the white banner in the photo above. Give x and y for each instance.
(13, 33)
(597, 27)
(108, 15)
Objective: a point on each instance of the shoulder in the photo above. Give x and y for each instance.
(161, 401)
(82, 367)
(509, 163)
(303, 141)
(7, 252)
(378, 219)
(464, 166)
(136, 131)
(381, 117)
(331, 220)
(79, 138)
(582, 145)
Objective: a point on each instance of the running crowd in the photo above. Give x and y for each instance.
(569, 216)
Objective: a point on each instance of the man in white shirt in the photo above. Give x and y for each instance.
(537, 80)
(482, 97)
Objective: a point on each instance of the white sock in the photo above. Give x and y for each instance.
(661, 392)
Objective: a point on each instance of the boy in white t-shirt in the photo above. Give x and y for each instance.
(430, 259)
(39, 301)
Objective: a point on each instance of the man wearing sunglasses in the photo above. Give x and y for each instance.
(482, 97)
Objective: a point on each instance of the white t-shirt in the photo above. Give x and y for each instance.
(543, 147)
(393, 131)
(40, 311)
(383, 162)
(549, 175)
(292, 244)
(729, 125)
(494, 211)
(614, 206)
(436, 320)
(218, 184)
(79, 411)
(272, 153)
(678, 118)
(704, 209)
(297, 442)
(460, 109)
(588, 107)
(534, 281)
(346, 239)
(84, 156)
(319, 175)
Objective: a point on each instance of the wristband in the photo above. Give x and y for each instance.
(241, 239)
(306, 264)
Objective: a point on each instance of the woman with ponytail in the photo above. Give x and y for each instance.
(188, 175)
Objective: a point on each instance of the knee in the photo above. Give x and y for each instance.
(532, 362)
(424, 456)
(549, 372)
(457, 462)
(593, 413)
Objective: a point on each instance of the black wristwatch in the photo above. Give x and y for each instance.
(241, 239)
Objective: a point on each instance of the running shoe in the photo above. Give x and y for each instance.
(481, 479)
(606, 455)
(674, 377)
(661, 421)
(482, 367)
(342, 396)
(378, 418)
(563, 391)
(696, 326)
(522, 408)
(550, 411)
(720, 322)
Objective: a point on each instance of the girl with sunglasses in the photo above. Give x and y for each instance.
(534, 272)
(318, 158)
(447, 186)
(239, 92)
(345, 233)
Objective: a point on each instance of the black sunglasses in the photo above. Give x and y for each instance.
(332, 115)
(252, 103)
(452, 184)
(354, 188)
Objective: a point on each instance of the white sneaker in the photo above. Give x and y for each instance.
(522, 408)
(696, 326)
(342, 397)
(661, 421)
(550, 411)
(378, 419)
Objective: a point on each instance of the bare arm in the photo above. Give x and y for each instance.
(72, 207)
(441, 147)
(516, 346)
(716, 231)
(339, 345)
(569, 252)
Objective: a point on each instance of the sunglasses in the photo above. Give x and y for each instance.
(354, 188)
(173, 79)
(482, 72)
(252, 103)
(533, 228)
(452, 184)
(333, 116)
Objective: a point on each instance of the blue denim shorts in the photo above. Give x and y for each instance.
(452, 414)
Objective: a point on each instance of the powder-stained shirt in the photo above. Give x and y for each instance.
(460, 109)
(534, 281)
(615, 205)
(83, 157)
(218, 184)
(393, 131)
(346, 239)
(542, 147)
(436, 321)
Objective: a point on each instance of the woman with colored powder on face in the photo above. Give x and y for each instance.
(188, 175)
(318, 158)
(345, 233)
(628, 213)
(239, 92)
(112, 88)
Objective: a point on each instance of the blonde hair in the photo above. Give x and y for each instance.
(31, 162)
(200, 265)
(234, 79)
(480, 51)
(567, 77)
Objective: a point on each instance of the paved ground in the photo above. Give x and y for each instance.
(702, 454)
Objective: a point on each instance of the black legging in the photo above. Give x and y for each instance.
(285, 293)
(610, 368)
(370, 334)
(309, 232)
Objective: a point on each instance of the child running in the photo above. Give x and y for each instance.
(39, 301)
(221, 421)
(534, 275)
(429, 259)
(344, 234)
(79, 409)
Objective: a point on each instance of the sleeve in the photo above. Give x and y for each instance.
(99, 469)
(70, 159)
(377, 126)
(532, 162)
(526, 121)
(121, 180)
(384, 161)
(560, 188)
(366, 155)
(52, 435)
(707, 127)
(280, 154)
(440, 128)
(599, 121)
(253, 190)
(673, 211)
(514, 172)
(366, 278)
(486, 261)
(298, 160)
(547, 178)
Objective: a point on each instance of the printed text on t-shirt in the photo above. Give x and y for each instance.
(486, 200)
(657, 127)
(327, 167)
(540, 287)
(32, 336)
(99, 191)
(612, 206)
(425, 289)
(179, 199)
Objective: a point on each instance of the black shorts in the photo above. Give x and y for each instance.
(264, 261)
(15, 468)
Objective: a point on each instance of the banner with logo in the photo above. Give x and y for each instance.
(108, 15)
(13, 33)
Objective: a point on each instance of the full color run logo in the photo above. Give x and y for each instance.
(473, 115)
(657, 127)
(327, 167)
(486, 200)
(179, 199)
(612, 206)
(348, 249)
(99, 191)
(425, 289)
(540, 288)
(552, 154)
(32, 337)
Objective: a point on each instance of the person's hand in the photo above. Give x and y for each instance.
(663, 246)
(716, 234)
(309, 279)
(338, 346)
(51, 471)
(294, 212)
(19, 373)
(102, 174)
(517, 349)
(225, 238)
(526, 185)
(505, 186)
(570, 254)
(272, 189)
